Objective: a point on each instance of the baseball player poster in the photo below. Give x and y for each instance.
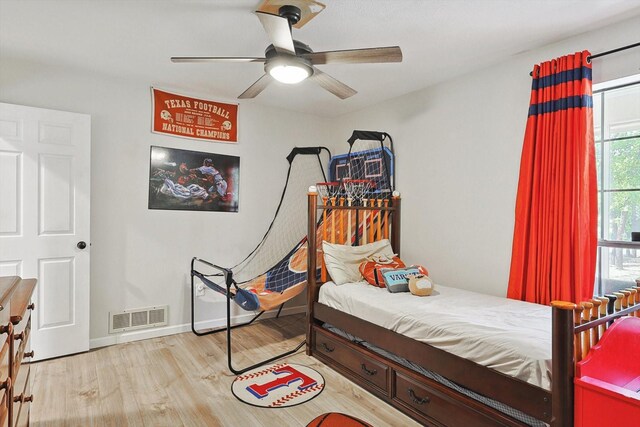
(193, 180)
(189, 117)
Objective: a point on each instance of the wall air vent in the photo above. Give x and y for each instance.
(138, 318)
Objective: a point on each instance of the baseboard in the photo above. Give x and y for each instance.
(177, 329)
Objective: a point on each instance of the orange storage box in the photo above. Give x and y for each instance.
(607, 381)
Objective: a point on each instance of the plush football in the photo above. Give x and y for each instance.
(420, 284)
(336, 419)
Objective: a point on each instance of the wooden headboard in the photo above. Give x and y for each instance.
(370, 220)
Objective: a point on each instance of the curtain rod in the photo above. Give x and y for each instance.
(608, 52)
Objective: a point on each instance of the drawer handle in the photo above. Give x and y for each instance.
(19, 337)
(367, 371)
(17, 399)
(6, 329)
(327, 348)
(31, 306)
(6, 384)
(417, 400)
(28, 398)
(30, 354)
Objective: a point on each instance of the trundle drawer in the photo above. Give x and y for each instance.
(433, 404)
(364, 367)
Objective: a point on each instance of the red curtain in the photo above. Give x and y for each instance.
(555, 234)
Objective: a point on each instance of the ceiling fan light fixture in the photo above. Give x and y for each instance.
(289, 72)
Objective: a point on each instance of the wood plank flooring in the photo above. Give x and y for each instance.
(183, 380)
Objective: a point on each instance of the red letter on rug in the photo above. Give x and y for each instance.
(262, 390)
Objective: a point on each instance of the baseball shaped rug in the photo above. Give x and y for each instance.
(278, 386)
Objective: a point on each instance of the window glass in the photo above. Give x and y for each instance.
(616, 117)
(623, 164)
(619, 268)
(599, 163)
(597, 116)
(623, 211)
(621, 112)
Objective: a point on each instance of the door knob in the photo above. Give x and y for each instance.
(81, 245)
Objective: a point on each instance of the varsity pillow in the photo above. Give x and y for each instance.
(396, 278)
(342, 261)
(371, 268)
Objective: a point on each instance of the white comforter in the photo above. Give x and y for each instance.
(512, 337)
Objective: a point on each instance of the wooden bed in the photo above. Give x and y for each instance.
(575, 329)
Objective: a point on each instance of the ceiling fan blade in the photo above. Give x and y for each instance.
(334, 86)
(356, 56)
(255, 89)
(216, 58)
(279, 33)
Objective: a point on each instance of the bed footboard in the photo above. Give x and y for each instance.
(577, 328)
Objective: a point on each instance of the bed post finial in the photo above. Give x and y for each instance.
(562, 369)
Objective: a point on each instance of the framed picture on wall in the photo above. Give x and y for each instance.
(193, 180)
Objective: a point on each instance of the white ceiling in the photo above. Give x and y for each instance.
(439, 39)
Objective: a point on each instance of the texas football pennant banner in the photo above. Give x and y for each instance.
(190, 117)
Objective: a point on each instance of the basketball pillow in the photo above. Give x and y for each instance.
(370, 269)
(336, 419)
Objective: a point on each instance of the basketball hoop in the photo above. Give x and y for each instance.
(357, 189)
(328, 190)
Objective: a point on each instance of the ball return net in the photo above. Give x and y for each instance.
(276, 269)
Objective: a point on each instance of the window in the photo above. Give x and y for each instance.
(616, 115)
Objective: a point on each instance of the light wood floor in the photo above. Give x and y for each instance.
(182, 380)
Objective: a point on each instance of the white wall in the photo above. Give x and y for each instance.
(458, 148)
(140, 257)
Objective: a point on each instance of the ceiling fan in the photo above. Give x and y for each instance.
(291, 61)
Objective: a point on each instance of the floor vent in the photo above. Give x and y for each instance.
(138, 318)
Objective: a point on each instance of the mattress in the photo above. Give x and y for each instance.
(509, 336)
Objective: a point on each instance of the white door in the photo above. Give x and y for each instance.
(44, 215)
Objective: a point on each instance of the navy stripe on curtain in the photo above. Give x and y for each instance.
(584, 101)
(561, 77)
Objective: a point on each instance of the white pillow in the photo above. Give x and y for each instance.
(342, 261)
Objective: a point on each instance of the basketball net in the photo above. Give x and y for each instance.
(357, 189)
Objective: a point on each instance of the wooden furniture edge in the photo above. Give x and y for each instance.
(15, 294)
(20, 301)
(312, 292)
(8, 285)
(563, 365)
(395, 225)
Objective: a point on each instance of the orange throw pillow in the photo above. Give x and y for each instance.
(370, 269)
